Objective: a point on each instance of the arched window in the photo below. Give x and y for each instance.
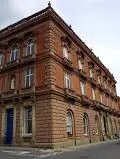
(12, 82)
(97, 124)
(30, 49)
(86, 123)
(69, 123)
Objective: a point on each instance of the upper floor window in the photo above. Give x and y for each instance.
(80, 64)
(112, 104)
(67, 80)
(93, 94)
(12, 82)
(28, 77)
(69, 123)
(105, 84)
(1, 58)
(99, 79)
(101, 98)
(14, 53)
(65, 52)
(28, 120)
(30, 48)
(107, 101)
(83, 88)
(91, 73)
(85, 124)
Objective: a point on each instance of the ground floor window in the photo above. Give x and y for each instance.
(86, 124)
(69, 124)
(28, 120)
(97, 124)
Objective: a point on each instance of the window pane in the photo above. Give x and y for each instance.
(12, 83)
(29, 127)
(80, 64)
(85, 122)
(1, 59)
(82, 88)
(69, 123)
(28, 120)
(65, 52)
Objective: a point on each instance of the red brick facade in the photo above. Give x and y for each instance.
(51, 96)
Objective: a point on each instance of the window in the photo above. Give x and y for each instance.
(112, 104)
(80, 64)
(13, 54)
(82, 87)
(30, 49)
(67, 80)
(93, 94)
(65, 52)
(115, 124)
(12, 82)
(105, 85)
(111, 125)
(97, 124)
(101, 98)
(69, 123)
(91, 73)
(86, 124)
(28, 77)
(99, 80)
(28, 120)
(107, 101)
(119, 124)
(1, 58)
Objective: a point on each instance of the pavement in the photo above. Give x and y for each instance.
(106, 150)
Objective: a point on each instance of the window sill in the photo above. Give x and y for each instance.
(86, 135)
(27, 135)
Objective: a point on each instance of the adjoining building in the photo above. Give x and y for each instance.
(54, 92)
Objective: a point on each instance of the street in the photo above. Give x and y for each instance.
(101, 151)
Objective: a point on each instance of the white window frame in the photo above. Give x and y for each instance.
(12, 82)
(69, 125)
(97, 124)
(80, 64)
(1, 58)
(26, 120)
(107, 101)
(30, 46)
(91, 73)
(99, 79)
(28, 74)
(65, 52)
(13, 53)
(105, 85)
(93, 94)
(101, 98)
(86, 124)
(83, 87)
(67, 80)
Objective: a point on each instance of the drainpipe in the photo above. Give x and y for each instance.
(74, 133)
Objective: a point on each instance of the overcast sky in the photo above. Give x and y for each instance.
(95, 21)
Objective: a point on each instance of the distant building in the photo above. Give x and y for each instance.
(54, 92)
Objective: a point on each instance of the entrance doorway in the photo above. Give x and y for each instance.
(9, 126)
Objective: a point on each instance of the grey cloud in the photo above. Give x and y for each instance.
(7, 14)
